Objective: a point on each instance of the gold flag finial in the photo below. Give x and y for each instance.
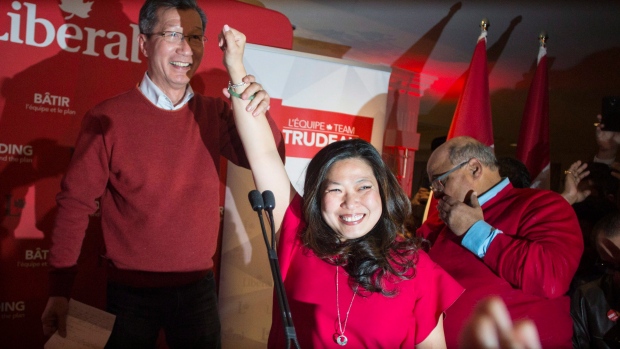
(542, 38)
(484, 24)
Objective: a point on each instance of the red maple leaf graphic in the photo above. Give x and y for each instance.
(76, 8)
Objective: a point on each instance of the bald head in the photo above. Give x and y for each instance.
(479, 170)
(463, 148)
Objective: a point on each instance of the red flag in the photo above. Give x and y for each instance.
(472, 116)
(533, 143)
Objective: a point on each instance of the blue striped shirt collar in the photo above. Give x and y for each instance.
(490, 194)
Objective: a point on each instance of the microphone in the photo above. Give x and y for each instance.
(270, 203)
(269, 200)
(256, 200)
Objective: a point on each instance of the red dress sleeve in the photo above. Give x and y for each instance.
(436, 291)
(292, 224)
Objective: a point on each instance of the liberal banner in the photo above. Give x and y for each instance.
(315, 101)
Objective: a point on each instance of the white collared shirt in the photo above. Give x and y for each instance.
(159, 98)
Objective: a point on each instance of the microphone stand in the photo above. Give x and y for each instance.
(267, 202)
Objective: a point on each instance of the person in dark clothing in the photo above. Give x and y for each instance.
(595, 306)
(600, 202)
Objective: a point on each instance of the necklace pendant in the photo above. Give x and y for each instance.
(341, 339)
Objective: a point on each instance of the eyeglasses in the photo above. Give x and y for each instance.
(437, 185)
(176, 38)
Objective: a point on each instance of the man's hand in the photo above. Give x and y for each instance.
(260, 103)
(459, 216)
(55, 316)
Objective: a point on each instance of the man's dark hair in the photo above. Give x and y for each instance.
(609, 226)
(148, 13)
(516, 171)
(601, 182)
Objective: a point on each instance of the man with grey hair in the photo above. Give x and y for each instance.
(523, 245)
(152, 154)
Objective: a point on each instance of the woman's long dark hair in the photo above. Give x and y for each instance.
(382, 254)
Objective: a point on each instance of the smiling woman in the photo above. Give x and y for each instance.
(342, 244)
(353, 220)
(351, 202)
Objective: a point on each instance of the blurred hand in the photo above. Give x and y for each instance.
(54, 316)
(607, 141)
(575, 173)
(421, 197)
(490, 327)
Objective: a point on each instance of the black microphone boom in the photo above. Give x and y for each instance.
(267, 202)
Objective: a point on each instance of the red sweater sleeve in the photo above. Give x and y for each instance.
(83, 183)
(541, 251)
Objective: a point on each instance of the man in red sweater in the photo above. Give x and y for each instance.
(152, 155)
(523, 245)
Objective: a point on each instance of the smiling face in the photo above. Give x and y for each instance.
(170, 64)
(351, 201)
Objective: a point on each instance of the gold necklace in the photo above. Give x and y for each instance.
(339, 337)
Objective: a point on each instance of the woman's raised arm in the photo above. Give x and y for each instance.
(260, 147)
